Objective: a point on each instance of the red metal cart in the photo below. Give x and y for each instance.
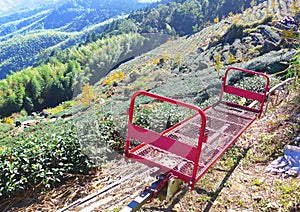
(188, 149)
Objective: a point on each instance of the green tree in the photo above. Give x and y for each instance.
(28, 104)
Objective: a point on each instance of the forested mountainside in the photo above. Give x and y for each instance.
(180, 17)
(30, 34)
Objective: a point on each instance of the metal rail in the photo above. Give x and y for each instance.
(87, 203)
(281, 90)
(147, 194)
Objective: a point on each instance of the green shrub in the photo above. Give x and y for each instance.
(254, 83)
(160, 116)
(41, 159)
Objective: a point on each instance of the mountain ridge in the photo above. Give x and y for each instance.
(12, 6)
(74, 16)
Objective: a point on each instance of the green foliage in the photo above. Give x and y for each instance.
(159, 116)
(63, 76)
(31, 35)
(169, 30)
(97, 134)
(289, 194)
(4, 128)
(218, 63)
(177, 17)
(31, 162)
(20, 51)
(294, 69)
(61, 108)
(34, 89)
(254, 83)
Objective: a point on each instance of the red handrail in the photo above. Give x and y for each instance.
(201, 138)
(245, 93)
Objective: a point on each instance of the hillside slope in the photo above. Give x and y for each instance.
(238, 181)
(187, 65)
(86, 63)
(184, 68)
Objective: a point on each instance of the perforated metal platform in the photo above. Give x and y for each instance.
(224, 124)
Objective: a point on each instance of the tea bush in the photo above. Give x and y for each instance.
(255, 84)
(96, 135)
(41, 159)
(161, 116)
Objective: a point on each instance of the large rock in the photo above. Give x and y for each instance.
(269, 46)
(271, 62)
(269, 33)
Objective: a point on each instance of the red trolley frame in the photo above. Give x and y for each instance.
(189, 148)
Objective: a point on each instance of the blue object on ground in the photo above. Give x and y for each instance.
(288, 164)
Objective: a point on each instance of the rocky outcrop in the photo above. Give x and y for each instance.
(272, 62)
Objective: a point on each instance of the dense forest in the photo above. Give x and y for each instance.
(49, 84)
(178, 17)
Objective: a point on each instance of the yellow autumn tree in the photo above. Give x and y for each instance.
(155, 62)
(247, 12)
(267, 11)
(236, 18)
(274, 4)
(121, 75)
(8, 120)
(231, 58)
(295, 7)
(216, 20)
(289, 35)
(218, 63)
(117, 76)
(88, 95)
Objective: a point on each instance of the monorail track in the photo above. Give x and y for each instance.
(115, 192)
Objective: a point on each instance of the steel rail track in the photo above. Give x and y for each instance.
(107, 196)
